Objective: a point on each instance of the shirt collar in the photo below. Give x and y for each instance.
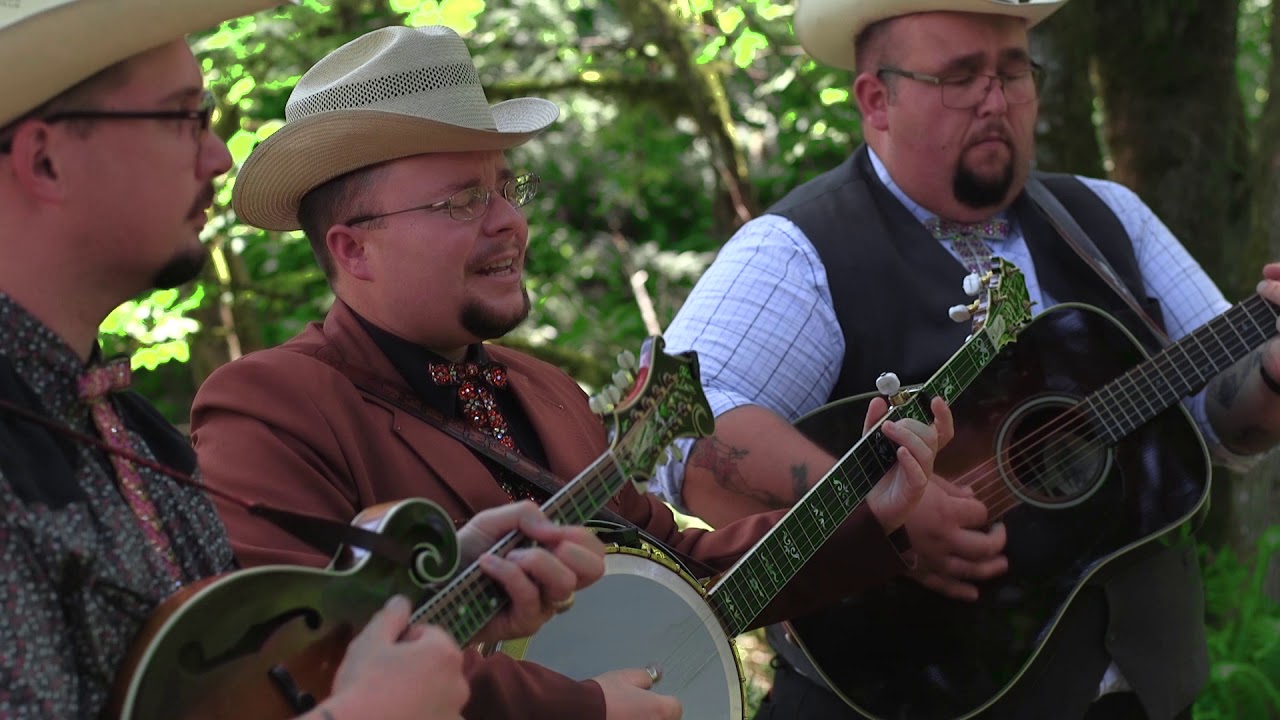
(42, 359)
(411, 360)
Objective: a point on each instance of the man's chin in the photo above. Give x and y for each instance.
(490, 323)
(180, 270)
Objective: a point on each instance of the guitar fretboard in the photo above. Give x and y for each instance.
(1131, 400)
(748, 587)
(468, 602)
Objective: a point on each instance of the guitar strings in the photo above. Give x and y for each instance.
(1074, 423)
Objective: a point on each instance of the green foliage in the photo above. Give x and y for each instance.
(1244, 635)
(153, 329)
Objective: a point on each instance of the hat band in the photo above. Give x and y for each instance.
(387, 87)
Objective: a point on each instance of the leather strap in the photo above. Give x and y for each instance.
(1078, 239)
(404, 398)
(320, 533)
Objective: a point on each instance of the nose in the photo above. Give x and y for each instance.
(213, 157)
(503, 217)
(994, 101)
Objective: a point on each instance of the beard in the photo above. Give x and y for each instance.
(181, 269)
(486, 324)
(977, 192)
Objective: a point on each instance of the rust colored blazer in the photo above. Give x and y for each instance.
(287, 429)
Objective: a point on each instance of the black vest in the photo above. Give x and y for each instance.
(891, 284)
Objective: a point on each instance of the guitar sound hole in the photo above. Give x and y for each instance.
(1049, 455)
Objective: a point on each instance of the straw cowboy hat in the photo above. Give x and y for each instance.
(827, 28)
(48, 46)
(392, 93)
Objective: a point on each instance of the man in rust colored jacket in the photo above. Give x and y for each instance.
(391, 161)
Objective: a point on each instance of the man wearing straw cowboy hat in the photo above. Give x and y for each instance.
(106, 170)
(392, 161)
(947, 90)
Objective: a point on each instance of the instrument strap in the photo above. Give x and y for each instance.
(1078, 239)
(320, 533)
(403, 397)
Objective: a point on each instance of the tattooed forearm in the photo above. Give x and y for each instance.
(799, 480)
(722, 461)
(1226, 387)
(1248, 438)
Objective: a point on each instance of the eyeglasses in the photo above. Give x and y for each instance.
(201, 116)
(967, 91)
(472, 202)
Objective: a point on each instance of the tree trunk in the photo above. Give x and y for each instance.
(1178, 136)
(1066, 137)
(1174, 119)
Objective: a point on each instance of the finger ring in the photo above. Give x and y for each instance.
(563, 605)
(655, 673)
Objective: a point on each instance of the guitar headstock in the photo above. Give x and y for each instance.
(1002, 306)
(664, 402)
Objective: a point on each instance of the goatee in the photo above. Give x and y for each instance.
(485, 324)
(182, 269)
(979, 193)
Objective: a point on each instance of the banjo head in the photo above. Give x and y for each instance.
(644, 611)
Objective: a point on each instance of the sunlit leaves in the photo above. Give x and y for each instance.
(157, 325)
(457, 14)
(831, 96)
(746, 46)
(730, 19)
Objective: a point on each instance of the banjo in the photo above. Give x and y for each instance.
(648, 611)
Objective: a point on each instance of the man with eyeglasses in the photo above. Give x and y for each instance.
(392, 162)
(106, 171)
(843, 280)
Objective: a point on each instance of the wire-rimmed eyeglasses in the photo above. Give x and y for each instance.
(472, 202)
(968, 90)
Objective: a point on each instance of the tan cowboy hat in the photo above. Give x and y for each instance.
(392, 93)
(47, 46)
(827, 28)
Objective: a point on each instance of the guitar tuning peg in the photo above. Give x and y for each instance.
(960, 313)
(612, 394)
(676, 453)
(972, 284)
(597, 405)
(622, 378)
(627, 360)
(888, 384)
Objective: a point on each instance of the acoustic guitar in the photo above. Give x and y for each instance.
(264, 643)
(1077, 442)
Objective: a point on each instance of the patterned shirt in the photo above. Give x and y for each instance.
(762, 320)
(77, 574)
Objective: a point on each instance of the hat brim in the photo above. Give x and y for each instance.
(76, 40)
(306, 153)
(827, 28)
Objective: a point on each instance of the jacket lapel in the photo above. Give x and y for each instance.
(453, 463)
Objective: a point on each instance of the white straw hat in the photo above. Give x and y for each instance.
(392, 93)
(827, 28)
(47, 46)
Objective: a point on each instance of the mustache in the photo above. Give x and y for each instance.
(994, 129)
(203, 201)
